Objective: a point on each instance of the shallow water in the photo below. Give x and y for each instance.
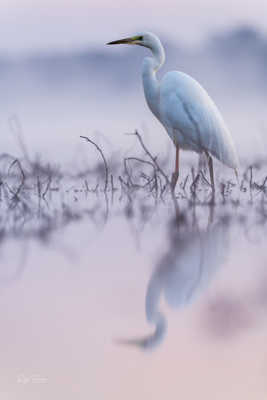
(129, 293)
(137, 305)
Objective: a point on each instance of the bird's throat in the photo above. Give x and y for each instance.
(151, 85)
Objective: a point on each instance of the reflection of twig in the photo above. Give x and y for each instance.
(223, 186)
(113, 188)
(16, 193)
(262, 187)
(103, 157)
(251, 182)
(47, 187)
(193, 185)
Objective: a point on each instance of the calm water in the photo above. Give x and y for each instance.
(123, 296)
(138, 305)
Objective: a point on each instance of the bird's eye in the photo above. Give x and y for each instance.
(140, 38)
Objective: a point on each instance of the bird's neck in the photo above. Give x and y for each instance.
(160, 331)
(150, 82)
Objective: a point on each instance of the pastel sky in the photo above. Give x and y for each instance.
(46, 24)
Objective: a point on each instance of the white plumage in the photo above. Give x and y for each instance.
(185, 109)
(188, 112)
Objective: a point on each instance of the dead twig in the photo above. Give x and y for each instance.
(17, 162)
(103, 158)
(143, 175)
(154, 159)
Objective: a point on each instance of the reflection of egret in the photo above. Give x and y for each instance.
(184, 108)
(187, 268)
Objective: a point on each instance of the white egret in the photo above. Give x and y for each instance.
(185, 109)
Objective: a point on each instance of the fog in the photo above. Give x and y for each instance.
(61, 95)
(30, 25)
(111, 284)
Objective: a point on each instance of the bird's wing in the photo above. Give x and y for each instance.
(186, 107)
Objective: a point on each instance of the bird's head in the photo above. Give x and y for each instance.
(146, 343)
(146, 39)
(149, 342)
(142, 343)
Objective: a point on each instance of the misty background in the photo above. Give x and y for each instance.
(82, 266)
(58, 93)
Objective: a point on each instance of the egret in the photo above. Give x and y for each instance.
(184, 108)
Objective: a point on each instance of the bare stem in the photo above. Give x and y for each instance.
(153, 159)
(103, 158)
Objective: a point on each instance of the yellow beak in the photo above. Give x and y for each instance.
(129, 40)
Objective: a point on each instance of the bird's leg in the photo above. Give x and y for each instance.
(201, 163)
(175, 175)
(210, 163)
(237, 177)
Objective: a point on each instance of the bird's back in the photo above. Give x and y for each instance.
(187, 110)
